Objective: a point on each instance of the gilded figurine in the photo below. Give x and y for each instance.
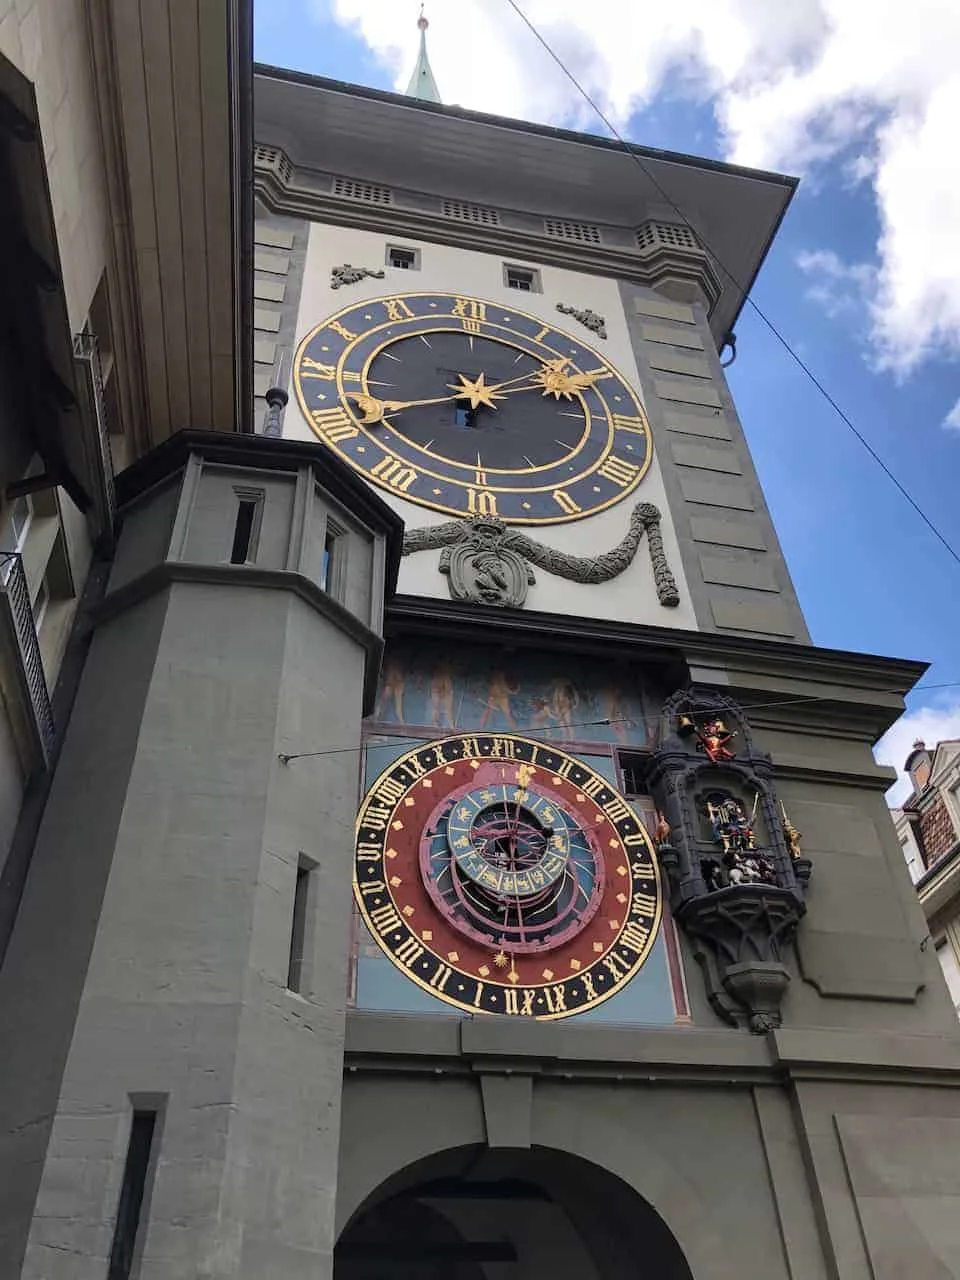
(791, 835)
(731, 827)
(661, 832)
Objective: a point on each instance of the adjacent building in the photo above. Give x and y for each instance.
(430, 843)
(928, 825)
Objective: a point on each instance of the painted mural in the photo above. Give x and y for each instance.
(569, 699)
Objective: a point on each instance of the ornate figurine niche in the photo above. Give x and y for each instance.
(732, 857)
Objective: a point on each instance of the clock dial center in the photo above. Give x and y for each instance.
(465, 395)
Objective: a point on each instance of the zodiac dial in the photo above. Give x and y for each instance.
(504, 876)
(472, 408)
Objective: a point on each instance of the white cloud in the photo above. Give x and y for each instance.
(931, 725)
(870, 86)
(952, 419)
(839, 287)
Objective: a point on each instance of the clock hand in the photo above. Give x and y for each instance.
(375, 410)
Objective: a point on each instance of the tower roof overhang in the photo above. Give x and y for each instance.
(535, 169)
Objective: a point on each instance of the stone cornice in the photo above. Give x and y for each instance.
(379, 1043)
(686, 274)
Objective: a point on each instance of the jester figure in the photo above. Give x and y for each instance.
(712, 739)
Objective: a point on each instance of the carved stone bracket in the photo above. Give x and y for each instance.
(589, 319)
(488, 562)
(731, 856)
(347, 274)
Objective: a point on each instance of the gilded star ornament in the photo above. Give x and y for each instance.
(476, 391)
(501, 960)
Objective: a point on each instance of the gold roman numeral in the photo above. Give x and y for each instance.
(335, 425)
(343, 331)
(634, 937)
(617, 810)
(556, 998)
(621, 422)
(566, 503)
(441, 977)
(620, 472)
(394, 473)
(314, 369)
(397, 309)
(386, 918)
(409, 951)
(470, 313)
(519, 1002)
(615, 966)
(390, 791)
(481, 502)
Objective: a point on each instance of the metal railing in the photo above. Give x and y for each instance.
(15, 595)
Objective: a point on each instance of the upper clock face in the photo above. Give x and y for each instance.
(504, 876)
(473, 408)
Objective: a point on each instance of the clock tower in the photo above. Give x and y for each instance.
(456, 860)
(613, 805)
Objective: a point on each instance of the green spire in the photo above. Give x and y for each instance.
(422, 84)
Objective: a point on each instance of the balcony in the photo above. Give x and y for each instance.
(21, 668)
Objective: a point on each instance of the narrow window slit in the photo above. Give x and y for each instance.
(132, 1191)
(298, 930)
(243, 530)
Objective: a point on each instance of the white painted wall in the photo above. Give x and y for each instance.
(631, 597)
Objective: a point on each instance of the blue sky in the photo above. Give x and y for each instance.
(863, 281)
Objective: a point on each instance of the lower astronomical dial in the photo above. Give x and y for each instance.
(505, 876)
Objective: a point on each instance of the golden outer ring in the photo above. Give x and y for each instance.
(440, 995)
(561, 517)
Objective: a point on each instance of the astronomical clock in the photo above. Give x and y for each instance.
(473, 408)
(502, 875)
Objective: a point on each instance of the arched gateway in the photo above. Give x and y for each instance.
(473, 1214)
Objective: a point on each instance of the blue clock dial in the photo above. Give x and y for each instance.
(471, 408)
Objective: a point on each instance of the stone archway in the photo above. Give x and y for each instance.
(475, 1214)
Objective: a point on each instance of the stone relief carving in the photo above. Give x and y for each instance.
(731, 855)
(348, 274)
(589, 319)
(501, 550)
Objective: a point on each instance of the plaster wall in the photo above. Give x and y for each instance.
(629, 597)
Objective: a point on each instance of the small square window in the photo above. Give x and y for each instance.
(526, 279)
(403, 259)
